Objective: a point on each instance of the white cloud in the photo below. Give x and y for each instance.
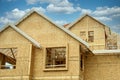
(43, 1)
(16, 13)
(106, 10)
(61, 22)
(116, 15)
(106, 13)
(84, 11)
(58, 9)
(31, 1)
(40, 9)
(62, 6)
(4, 20)
(103, 18)
(57, 6)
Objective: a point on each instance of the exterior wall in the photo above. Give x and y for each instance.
(23, 63)
(47, 35)
(89, 24)
(102, 67)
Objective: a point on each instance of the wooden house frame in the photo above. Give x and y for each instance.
(47, 51)
(31, 54)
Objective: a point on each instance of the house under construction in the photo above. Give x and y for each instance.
(35, 48)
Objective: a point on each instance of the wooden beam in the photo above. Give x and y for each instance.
(12, 53)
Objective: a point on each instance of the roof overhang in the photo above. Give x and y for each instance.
(106, 52)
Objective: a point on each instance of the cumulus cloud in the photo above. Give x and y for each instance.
(58, 9)
(84, 11)
(116, 15)
(106, 13)
(103, 18)
(31, 1)
(57, 6)
(61, 22)
(46, 1)
(16, 14)
(63, 6)
(40, 9)
(106, 10)
(4, 20)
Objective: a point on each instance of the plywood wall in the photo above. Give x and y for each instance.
(102, 67)
(89, 24)
(47, 34)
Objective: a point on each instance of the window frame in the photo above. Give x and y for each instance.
(82, 33)
(45, 54)
(8, 46)
(89, 36)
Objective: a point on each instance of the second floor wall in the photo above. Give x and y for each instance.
(92, 31)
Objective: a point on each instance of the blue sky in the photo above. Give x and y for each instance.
(63, 11)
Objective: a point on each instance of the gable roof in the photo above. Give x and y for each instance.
(58, 26)
(34, 42)
(71, 25)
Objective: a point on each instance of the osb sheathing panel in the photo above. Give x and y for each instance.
(10, 36)
(23, 62)
(102, 67)
(89, 24)
(46, 34)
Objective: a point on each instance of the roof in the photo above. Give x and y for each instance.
(106, 52)
(73, 23)
(35, 42)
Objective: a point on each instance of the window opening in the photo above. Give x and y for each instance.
(55, 57)
(90, 36)
(8, 58)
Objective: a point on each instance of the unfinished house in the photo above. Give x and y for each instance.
(105, 63)
(35, 48)
(92, 31)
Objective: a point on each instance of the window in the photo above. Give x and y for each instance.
(55, 57)
(8, 58)
(90, 36)
(82, 33)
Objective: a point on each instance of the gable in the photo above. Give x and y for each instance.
(10, 36)
(86, 21)
(36, 24)
(8, 33)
